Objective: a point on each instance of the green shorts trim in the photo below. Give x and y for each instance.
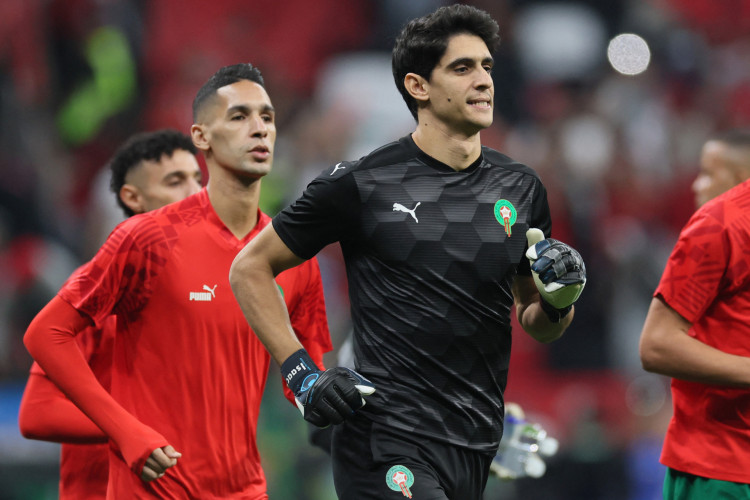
(683, 486)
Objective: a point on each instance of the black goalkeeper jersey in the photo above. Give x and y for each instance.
(431, 254)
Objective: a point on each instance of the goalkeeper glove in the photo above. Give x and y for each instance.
(558, 271)
(523, 448)
(324, 397)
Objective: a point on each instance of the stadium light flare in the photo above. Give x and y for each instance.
(628, 54)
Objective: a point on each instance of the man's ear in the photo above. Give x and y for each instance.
(199, 135)
(131, 197)
(417, 87)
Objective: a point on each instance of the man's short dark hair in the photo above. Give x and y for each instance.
(737, 138)
(423, 42)
(146, 146)
(225, 76)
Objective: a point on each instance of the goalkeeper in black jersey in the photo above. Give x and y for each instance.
(441, 236)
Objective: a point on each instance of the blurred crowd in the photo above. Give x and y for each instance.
(617, 153)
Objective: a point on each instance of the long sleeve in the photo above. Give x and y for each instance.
(46, 414)
(50, 339)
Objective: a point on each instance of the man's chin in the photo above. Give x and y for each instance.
(477, 124)
(256, 169)
(485, 123)
(476, 127)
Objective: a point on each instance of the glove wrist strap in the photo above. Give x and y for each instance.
(296, 368)
(554, 314)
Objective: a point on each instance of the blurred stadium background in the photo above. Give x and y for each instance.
(612, 125)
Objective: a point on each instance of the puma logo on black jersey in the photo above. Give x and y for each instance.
(398, 207)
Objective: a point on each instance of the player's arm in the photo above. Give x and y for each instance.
(50, 338)
(252, 279)
(316, 352)
(666, 348)
(531, 315)
(337, 392)
(46, 414)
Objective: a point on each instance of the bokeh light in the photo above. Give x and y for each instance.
(629, 54)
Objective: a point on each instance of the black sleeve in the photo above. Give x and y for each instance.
(540, 218)
(325, 213)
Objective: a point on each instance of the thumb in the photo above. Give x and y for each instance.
(171, 452)
(365, 389)
(534, 236)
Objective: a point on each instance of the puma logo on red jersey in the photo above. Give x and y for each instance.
(206, 296)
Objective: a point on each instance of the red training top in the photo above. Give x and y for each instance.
(707, 281)
(185, 362)
(83, 467)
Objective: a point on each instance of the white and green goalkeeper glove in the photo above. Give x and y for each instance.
(558, 271)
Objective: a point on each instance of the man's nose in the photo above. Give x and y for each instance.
(259, 127)
(195, 186)
(485, 79)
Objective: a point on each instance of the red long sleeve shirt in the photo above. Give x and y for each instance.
(187, 369)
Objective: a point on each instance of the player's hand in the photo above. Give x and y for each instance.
(331, 396)
(157, 464)
(558, 270)
(324, 397)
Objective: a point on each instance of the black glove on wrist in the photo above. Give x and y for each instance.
(324, 397)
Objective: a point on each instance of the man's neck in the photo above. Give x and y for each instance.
(458, 151)
(235, 201)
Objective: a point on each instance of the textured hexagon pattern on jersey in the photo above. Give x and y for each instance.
(430, 270)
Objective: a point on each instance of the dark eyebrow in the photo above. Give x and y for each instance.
(181, 174)
(175, 175)
(468, 61)
(242, 108)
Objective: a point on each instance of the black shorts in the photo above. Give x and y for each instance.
(373, 461)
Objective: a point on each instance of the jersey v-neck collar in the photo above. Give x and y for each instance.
(428, 160)
(220, 231)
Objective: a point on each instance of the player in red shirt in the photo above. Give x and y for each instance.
(150, 170)
(188, 373)
(697, 331)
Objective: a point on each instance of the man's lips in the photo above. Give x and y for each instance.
(481, 103)
(260, 152)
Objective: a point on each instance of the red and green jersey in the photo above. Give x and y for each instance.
(185, 361)
(707, 281)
